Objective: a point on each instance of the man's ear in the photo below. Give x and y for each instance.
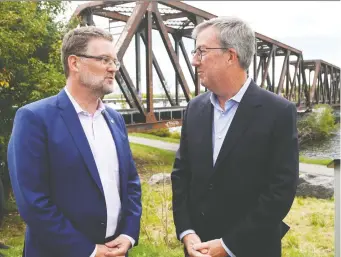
(233, 55)
(73, 63)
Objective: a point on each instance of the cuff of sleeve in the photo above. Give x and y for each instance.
(132, 241)
(94, 252)
(186, 232)
(226, 249)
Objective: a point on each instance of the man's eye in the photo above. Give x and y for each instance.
(106, 59)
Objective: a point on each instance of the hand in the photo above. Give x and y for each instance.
(189, 241)
(215, 248)
(101, 250)
(118, 247)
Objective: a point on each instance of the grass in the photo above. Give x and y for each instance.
(150, 160)
(12, 231)
(308, 160)
(149, 136)
(157, 237)
(312, 229)
(311, 220)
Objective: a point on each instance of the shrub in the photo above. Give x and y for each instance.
(175, 135)
(317, 125)
(163, 132)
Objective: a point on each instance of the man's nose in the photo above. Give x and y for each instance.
(112, 68)
(195, 61)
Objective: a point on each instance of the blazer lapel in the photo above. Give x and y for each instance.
(75, 128)
(240, 123)
(118, 139)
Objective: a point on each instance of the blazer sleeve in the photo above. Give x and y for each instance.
(29, 172)
(181, 177)
(275, 202)
(132, 214)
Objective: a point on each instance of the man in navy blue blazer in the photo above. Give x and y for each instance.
(70, 163)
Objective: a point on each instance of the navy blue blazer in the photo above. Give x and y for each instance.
(56, 183)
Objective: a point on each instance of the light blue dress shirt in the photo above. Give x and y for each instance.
(222, 120)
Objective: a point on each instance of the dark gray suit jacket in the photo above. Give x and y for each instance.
(246, 195)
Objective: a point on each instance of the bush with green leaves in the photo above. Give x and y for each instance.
(175, 135)
(317, 125)
(162, 132)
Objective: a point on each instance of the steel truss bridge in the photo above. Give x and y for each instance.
(304, 82)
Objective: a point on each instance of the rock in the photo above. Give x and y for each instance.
(159, 179)
(318, 186)
(3, 246)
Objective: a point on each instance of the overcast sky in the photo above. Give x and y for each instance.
(310, 26)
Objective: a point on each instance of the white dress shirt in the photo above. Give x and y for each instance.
(221, 124)
(104, 152)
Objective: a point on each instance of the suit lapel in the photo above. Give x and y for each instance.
(75, 128)
(118, 139)
(241, 121)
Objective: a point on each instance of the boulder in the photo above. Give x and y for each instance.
(319, 186)
(160, 178)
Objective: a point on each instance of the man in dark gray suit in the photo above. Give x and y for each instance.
(236, 171)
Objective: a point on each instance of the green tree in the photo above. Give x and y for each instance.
(30, 65)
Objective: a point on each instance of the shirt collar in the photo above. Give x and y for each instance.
(236, 98)
(78, 108)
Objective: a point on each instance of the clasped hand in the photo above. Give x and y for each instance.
(116, 248)
(196, 248)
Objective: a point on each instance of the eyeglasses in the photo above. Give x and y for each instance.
(202, 51)
(105, 60)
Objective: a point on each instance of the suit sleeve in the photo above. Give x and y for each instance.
(132, 214)
(29, 172)
(275, 202)
(181, 183)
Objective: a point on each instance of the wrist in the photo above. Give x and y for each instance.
(191, 239)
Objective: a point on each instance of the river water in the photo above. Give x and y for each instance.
(329, 148)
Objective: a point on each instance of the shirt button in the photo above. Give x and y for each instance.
(219, 137)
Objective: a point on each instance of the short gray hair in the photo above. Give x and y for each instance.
(232, 33)
(76, 42)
